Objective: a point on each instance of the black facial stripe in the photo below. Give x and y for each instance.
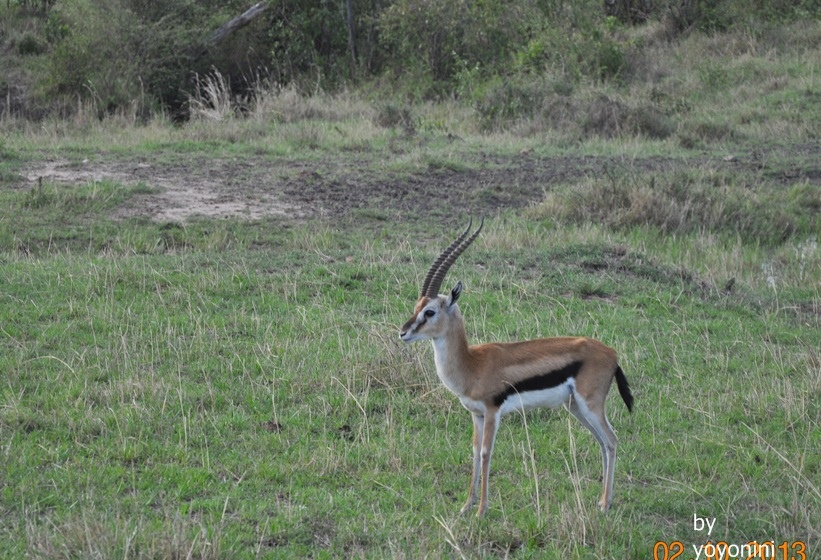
(539, 382)
(407, 326)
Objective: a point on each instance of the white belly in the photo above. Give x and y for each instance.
(549, 398)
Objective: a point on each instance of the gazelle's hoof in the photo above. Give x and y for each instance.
(466, 508)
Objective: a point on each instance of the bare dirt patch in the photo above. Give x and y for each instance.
(175, 192)
(256, 187)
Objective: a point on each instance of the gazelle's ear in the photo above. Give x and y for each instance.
(455, 293)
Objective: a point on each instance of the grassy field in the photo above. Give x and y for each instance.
(224, 387)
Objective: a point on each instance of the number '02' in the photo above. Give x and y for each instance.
(668, 552)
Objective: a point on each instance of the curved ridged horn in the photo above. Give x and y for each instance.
(440, 259)
(437, 272)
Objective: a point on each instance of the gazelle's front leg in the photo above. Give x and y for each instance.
(478, 427)
(488, 438)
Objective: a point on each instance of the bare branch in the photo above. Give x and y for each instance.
(237, 23)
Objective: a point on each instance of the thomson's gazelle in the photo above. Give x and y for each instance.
(494, 379)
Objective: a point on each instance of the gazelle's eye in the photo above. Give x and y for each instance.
(429, 313)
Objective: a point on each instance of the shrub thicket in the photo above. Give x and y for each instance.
(122, 52)
(436, 39)
(494, 54)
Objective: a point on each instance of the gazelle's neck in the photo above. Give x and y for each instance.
(450, 354)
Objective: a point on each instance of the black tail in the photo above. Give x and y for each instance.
(624, 388)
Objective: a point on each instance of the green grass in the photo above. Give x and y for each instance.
(249, 402)
(221, 388)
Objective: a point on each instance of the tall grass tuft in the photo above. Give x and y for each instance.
(702, 200)
(212, 98)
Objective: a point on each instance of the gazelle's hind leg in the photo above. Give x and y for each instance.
(596, 422)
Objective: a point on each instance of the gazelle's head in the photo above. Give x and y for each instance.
(433, 310)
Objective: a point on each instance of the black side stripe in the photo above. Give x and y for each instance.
(539, 382)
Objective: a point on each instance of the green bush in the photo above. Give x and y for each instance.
(117, 56)
(122, 52)
(584, 47)
(439, 39)
(307, 42)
